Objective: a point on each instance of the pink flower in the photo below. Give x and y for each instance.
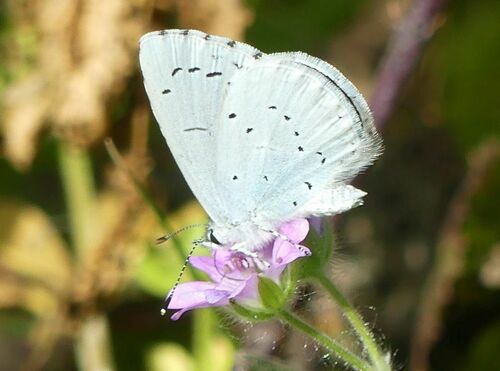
(234, 275)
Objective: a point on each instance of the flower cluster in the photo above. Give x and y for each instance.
(235, 275)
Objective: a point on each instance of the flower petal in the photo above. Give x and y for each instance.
(179, 313)
(296, 230)
(234, 286)
(285, 252)
(250, 290)
(207, 265)
(274, 272)
(213, 297)
(196, 294)
(190, 294)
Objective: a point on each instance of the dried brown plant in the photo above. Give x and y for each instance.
(85, 51)
(82, 58)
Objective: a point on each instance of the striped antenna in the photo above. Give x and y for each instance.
(167, 237)
(178, 280)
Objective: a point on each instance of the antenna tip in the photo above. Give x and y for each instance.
(161, 239)
(163, 312)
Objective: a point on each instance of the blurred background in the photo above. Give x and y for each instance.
(81, 280)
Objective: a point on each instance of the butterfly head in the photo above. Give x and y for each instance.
(245, 237)
(211, 237)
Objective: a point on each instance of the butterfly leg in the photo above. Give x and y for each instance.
(208, 244)
(260, 264)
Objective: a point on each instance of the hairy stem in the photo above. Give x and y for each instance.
(364, 334)
(326, 341)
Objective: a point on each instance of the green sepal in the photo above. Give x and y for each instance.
(271, 294)
(251, 313)
(321, 246)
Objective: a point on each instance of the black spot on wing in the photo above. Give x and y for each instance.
(176, 70)
(185, 32)
(213, 74)
(272, 107)
(287, 118)
(300, 149)
(162, 32)
(238, 66)
(166, 91)
(194, 69)
(265, 177)
(207, 37)
(294, 203)
(323, 161)
(231, 43)
(257, 55)
(196, 129)
(249, 130)
(309, 185)
(232, 115)
(296, 133)
(235, 177)
(320, 153)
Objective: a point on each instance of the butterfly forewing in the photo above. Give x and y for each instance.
(186, 74)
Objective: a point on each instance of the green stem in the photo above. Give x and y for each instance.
(92, 343)
(77, 180)
(338, 350)
(204, 324)
(376, 357)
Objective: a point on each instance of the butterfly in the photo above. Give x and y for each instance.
(261, 139)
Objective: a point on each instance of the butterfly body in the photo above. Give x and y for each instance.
(261, 139)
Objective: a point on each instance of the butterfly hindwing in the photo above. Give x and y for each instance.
(295, 134)
(337, 78)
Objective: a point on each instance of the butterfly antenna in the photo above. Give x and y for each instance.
(170, 235)
(178, 280)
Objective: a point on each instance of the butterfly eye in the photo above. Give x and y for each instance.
(213, 239)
